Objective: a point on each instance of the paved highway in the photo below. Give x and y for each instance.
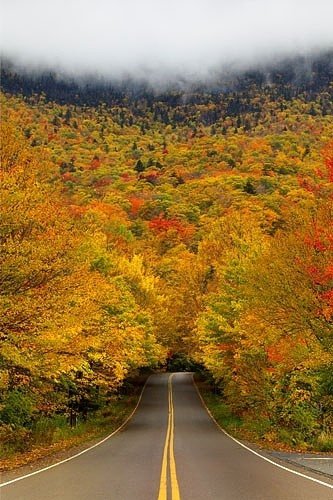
(170, 450)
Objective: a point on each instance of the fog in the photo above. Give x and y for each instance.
(161, 39)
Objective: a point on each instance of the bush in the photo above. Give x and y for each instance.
(17, 409)
(301, 420)
(13, 439)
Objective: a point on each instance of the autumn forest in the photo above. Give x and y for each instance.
(191, 225)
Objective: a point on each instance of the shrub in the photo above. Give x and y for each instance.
(13, 439)
(17, 409)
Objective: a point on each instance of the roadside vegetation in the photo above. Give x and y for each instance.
(259, 429)
(23, 443)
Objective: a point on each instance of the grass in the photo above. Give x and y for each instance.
(325, 442)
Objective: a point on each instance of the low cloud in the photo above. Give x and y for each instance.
(161, 39)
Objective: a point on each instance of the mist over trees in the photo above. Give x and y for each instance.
(311, 73)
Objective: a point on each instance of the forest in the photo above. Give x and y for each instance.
(137, 229)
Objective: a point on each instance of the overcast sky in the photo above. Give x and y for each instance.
(161, 37)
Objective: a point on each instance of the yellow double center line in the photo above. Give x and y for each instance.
(168, 454)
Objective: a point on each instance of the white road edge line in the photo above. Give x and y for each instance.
(255, 452)
(83, 451)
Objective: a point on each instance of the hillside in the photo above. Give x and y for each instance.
(137, 225)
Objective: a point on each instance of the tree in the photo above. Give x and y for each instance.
(139, 167)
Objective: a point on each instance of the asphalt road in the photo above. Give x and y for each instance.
(170, 450)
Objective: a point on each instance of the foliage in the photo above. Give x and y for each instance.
(143, 229)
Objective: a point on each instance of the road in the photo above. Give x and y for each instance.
(170, 450)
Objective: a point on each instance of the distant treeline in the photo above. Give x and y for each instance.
(288, 79)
